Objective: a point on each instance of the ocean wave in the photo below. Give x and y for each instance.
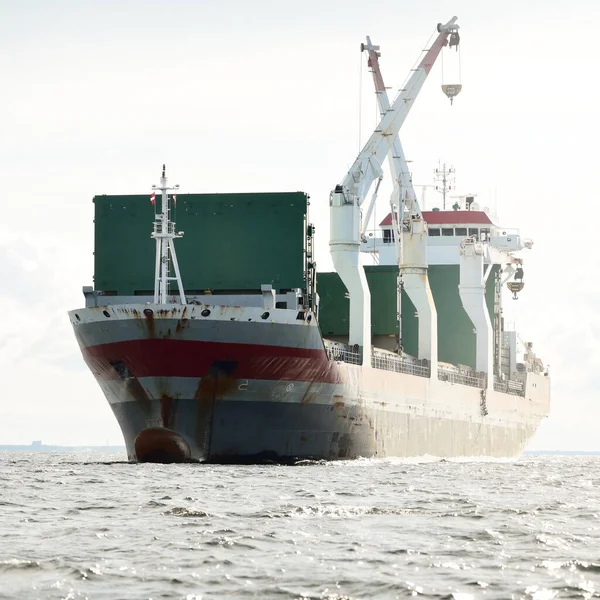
(15, 564)
(323, 510)
(181, 511)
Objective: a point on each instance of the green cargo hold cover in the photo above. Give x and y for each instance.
(231, 242)
(334, 306)
(456, 336)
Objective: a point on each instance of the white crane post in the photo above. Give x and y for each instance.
(472, 296)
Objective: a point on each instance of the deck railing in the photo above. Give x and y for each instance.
(398, 364)
(446, 374)
(386, 361)
(342, 353)
(510, 386)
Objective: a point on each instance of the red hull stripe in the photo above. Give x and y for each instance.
(188, 358)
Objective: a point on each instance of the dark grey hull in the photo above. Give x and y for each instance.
(245, 432)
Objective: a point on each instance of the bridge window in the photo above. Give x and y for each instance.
(485, 235)
(434, 232)
(460, 231)
(388, 236)
(473, 231)
(447, 231)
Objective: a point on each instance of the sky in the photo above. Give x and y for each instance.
(238, 96)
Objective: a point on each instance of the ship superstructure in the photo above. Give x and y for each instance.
(261, 358)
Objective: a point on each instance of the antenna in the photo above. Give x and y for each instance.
(444, 178)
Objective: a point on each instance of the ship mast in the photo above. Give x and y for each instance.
(164, 234)
(444, 179)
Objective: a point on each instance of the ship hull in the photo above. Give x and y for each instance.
(243, 432)
(237, 387)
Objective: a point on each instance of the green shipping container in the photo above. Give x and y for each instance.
(231, 242)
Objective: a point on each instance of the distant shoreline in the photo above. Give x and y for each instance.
(43, 448)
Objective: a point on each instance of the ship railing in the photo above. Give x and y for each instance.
(342, 353)
(399, 364)
(509, 386)
(446, 374)
(170, 229)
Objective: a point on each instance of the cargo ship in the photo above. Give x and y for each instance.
(230, 347)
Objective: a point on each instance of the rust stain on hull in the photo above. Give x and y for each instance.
(182, 324)
(135, 390)
(150, 325)
(166, 410)
(211, 388)
(310, 395)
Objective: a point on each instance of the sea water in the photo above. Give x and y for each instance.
(89, 525)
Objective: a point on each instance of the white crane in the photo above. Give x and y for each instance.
(347, 197)
(409, 232)
(476, 258)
